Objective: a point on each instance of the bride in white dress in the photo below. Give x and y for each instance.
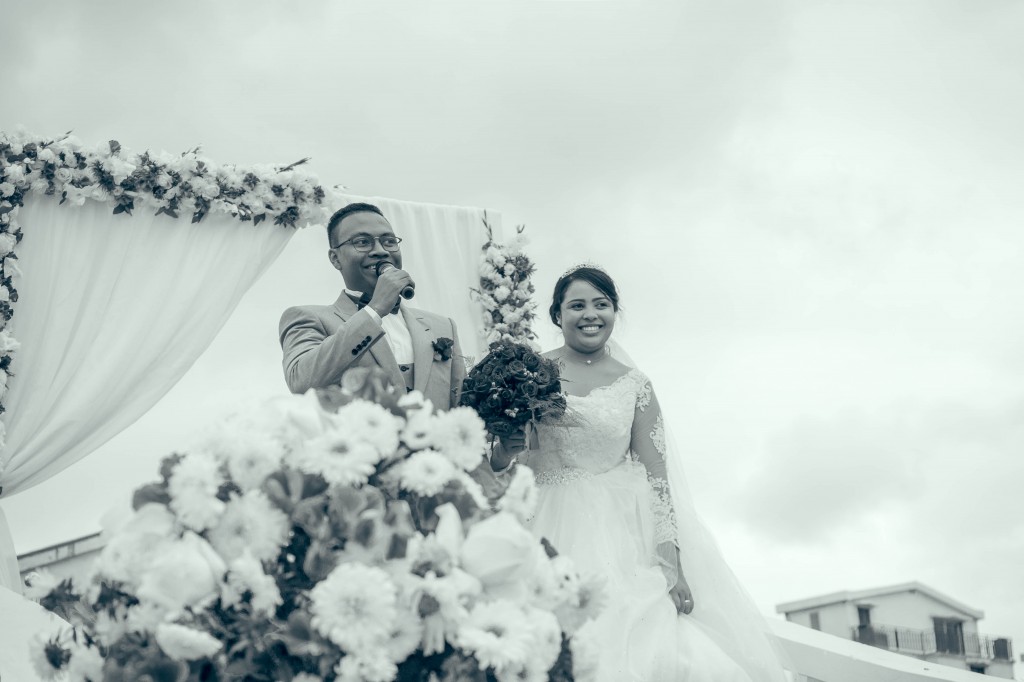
(607, 501)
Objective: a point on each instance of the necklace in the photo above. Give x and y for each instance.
(572, 355)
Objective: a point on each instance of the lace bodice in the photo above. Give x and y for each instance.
(615, 425)
(595, 434)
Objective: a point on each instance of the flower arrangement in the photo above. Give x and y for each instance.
(513, 386)
(185, 185)
(301, 545)
(506, 289)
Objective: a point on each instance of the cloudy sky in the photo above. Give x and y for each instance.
(813, 210)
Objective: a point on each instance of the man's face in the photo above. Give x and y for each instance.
(358, 268)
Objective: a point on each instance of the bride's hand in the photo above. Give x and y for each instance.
(681, 595)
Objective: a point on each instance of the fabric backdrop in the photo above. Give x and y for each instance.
(441, 250)
(112, 311)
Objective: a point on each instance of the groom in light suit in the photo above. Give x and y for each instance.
(369, 324)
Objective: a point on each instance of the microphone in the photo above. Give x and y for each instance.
(410, 289)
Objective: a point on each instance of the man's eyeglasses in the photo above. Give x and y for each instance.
(364, 243)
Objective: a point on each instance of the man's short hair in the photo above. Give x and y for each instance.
(345, 212)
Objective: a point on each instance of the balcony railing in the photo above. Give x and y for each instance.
(925, 643)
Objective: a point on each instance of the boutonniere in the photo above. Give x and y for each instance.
(443, 349)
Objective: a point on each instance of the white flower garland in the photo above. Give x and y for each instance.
(506, 289)
(176, 185)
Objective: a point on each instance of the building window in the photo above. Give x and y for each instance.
(949, 636)
(815, 620)
(864, 616)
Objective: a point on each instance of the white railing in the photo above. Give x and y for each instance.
(818, 656)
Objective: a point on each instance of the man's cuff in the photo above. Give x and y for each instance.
(373, 314)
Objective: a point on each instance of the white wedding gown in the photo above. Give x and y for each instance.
(604, 502)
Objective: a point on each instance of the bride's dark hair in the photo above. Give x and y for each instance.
(596, 277)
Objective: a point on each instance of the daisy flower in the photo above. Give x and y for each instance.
(355, 606)
(520, 497)
(193, 487)
(497, 634)
(339, 457)
(461, 435)
(371, 423)
(426, 472)
(250, 523)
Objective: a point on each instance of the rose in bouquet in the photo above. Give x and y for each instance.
(513, 386)
(302, 545)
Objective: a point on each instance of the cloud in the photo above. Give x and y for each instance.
(939, 474)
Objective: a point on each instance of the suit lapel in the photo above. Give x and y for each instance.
(422, 350)
(345, 308)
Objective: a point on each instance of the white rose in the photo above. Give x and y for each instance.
(7, 243)
(17, 149)
(15, 172)
(501, 293)
(47, 155)
(187, 573)
(502, 554)
(6, 189)
(185, 644)
(64, 175)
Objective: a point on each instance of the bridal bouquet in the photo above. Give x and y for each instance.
(512, 386)
(299, 545)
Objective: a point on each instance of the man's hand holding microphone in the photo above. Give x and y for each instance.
(391, 283)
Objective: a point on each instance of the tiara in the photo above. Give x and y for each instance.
(580, 266)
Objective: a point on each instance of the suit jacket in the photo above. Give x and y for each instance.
(320, 342)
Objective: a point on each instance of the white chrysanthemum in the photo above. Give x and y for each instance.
(405, 638)
(547, 638)
(246, 573)
(587, 604)
(585, 656)
(426, 472)
(369, 666)
(494, 254)
(520, 497)
(247, 449)
(461, 435)
(355, 606)
(7, 243)
(307, 677)
(501, 293)
(110, 628)
(250, 523)
(487, 270)
(86, 664)
(43, 654)
(419, 429)
(193, 487)
(183, 643)
(497, 634)
(372, 423)
(40, 583)
(339, 457)
(6, 189)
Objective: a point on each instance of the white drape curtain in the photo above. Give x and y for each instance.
(441, 251)
(112, 311)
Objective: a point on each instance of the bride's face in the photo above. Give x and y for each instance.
(587, 317)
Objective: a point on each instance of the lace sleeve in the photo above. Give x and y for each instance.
(647, 444)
